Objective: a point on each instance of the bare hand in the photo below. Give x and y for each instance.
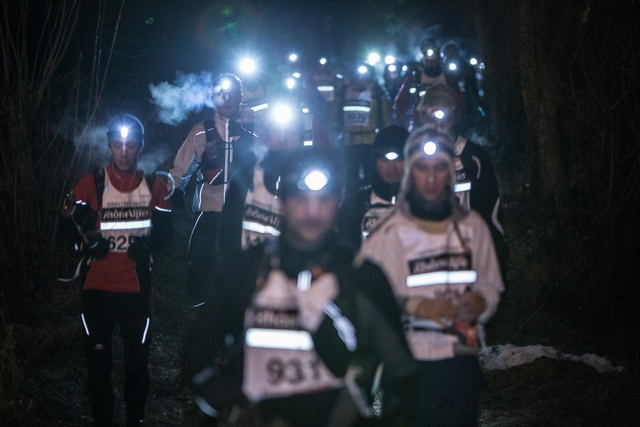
(442, 311)
(470, 306)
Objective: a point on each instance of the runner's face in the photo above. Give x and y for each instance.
(229, 104)
(430, 176)
(309, 217)
(390, 170)
(124, 153)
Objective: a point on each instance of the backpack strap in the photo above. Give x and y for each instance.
(210, 131)
(98, 179)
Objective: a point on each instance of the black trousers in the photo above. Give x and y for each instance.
(101, 311)
(450, 392)
(202, 254)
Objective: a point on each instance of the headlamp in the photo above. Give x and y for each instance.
(290, 83)
(473, 61)
(124, 132)
(373, 58)
(439, 114)
(282, 114)
(362, 70)
(323, 61)
(392, 155)
(293, 57)
(225, 85)
(453, 66)
(430, 148)
(389, 59)
(247, 65)
(392, 68)
(315, 181)
(430, 52)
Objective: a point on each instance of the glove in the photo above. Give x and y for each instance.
(98, 246)
(84, 217)
(177, 199)
(140, 249)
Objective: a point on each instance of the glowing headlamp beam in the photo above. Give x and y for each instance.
(430, 148)
(247, 65)
(225, 84)
(316, 180)
(282, 114)
(124, 131)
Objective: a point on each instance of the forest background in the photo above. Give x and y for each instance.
(563, 93)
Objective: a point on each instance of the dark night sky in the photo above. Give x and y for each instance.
(158, 38)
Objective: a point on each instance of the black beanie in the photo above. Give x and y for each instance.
(391, 138)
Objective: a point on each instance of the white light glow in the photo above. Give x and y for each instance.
(282, 114)
(429, 148)
(439, 114)
(391, 156)
(453, 66)
(124, 131)
(389, 59)
(316, 180)
(323, 61)
(247, 65)
(293, 57)
(225, 84)
(373, 58)
(473, 61)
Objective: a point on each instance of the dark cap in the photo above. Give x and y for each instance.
(311, 169)
(126, 126)
(390, 139)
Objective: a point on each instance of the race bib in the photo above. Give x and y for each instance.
(262, 216)
(124, 216)
(279, 356)
(357, 114)
(281, 363)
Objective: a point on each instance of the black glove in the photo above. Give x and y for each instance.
(97, 246)
(140, 249)
(177, 199)
(84, 217)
